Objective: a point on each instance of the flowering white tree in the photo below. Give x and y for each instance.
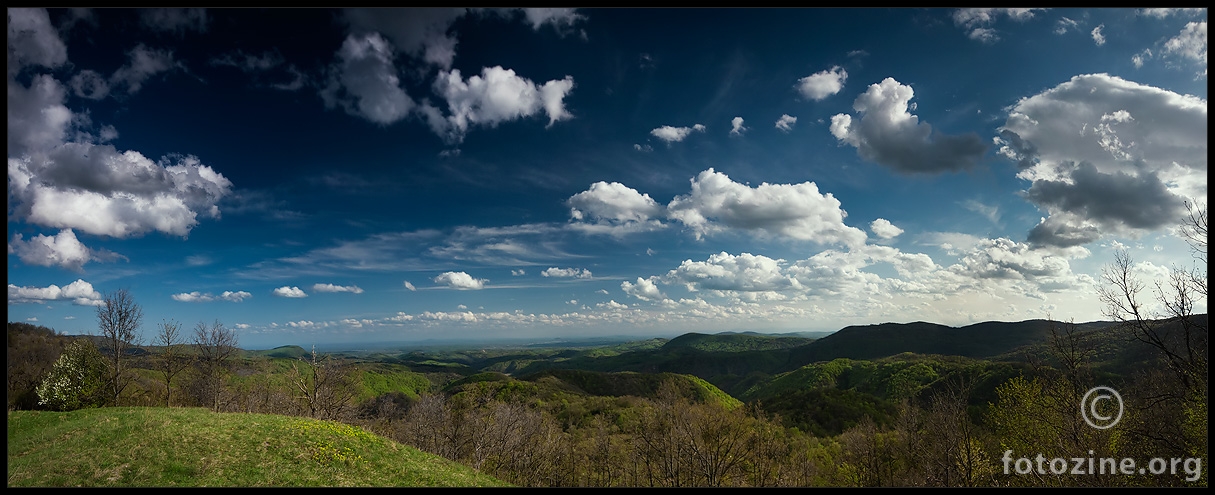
(77, 380)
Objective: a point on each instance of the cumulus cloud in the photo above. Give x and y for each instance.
(460, 280)
(1107, 155)
(644, 289)
(293, 292)
(37, 118)
(496, 95)
(736, 126)
(822, 84)
(410, 286)
(32, 41)
(675, 134)
(715, 204)
(364, 81)
(62, 249)
(354, 289)
(612, 207)
(724, 271)
(785, 122)
(884, 229)
(888, 134)
(566, 272)
(799, 211)
(99, 190)
(230, 296)
(79, 292)
(1006, 259)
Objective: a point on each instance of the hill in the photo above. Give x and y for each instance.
(980, 340)
(189, 447)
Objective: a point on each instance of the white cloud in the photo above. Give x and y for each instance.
(410, 286)
(460, 280)
(785, 122)
(644, 289)
(1161, 13)
(884, 229)
(1065, 24)
(496, 95)
(1006, 259)
(736, 126)
(799, 211)
(37, 117)
(977, 20)
(62, 249)
(32, 41)
(675, 134)
(292, 292)
(1107, 155)
(98, 190)
(643, 148)
(230, 296)
(79, 292)
(727, 272)
(144, 63)
(888, 134)
(1098, 38)
(1190, 43)
(566, 272)
(364, 81)
(518, 272)
(417, 32)
(354, 289)
(614, 208)
(822, 84)
(559, 18)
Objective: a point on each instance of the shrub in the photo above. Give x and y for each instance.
(76, 380)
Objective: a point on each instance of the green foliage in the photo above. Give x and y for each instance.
(76, 380)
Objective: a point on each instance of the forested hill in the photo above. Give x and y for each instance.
(979, 340)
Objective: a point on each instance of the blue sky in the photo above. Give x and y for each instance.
(321, 176)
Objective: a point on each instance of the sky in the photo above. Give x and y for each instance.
(353, 177)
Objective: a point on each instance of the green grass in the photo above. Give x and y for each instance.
(192, 447)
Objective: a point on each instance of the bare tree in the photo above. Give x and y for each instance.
(1183, 341)
(216, 346)
(325, 385)
(118, 319)
(173, 358)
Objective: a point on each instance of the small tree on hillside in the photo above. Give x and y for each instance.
(173, 359)
(77, 380)
(325, 385)
(216, 346)
(118, 319)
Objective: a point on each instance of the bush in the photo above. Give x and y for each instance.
(77, 379)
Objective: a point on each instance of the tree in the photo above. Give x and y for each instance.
(216, 346)
(325, 385)
(118, 319)
(77, 379)
(1183, 344)
(173, 358)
